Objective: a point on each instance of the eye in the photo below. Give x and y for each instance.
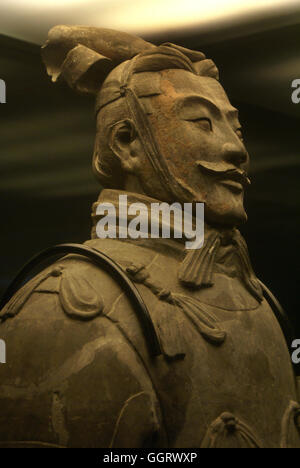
(239, 134)
(204, 123)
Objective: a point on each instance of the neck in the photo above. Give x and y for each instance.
(223, 245)
(133, 185)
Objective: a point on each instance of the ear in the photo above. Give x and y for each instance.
(124, 142)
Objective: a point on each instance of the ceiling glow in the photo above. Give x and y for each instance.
(30, 19)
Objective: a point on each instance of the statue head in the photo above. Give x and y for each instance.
(165, 126)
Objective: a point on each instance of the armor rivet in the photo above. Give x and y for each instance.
(57, 271)
(164, 294)
(229, 420)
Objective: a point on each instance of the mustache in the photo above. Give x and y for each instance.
(223, 170)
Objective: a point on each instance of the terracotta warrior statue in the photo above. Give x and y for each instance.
(141, 342)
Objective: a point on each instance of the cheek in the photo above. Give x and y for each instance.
(173, 136)
(179, 144)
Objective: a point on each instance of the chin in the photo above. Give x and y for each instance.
(223, 207)
(231, 217)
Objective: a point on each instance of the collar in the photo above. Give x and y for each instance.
(224, 249)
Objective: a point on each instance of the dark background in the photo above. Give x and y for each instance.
(46, 145)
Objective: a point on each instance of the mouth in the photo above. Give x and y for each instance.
(234, 178)
(233, 185)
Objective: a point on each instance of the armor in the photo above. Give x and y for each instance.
(81, 371)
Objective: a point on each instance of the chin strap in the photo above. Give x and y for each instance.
(105, 263)
(142, 125)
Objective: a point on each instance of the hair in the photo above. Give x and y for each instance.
(142, 74)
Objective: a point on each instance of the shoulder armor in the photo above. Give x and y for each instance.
(73, 291)
(77, 296)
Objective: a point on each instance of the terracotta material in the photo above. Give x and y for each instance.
(79, 372)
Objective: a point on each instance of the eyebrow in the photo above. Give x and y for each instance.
(186, 105)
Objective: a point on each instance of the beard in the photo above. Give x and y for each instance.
(222, 207)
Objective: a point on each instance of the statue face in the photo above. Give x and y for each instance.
(199, 135)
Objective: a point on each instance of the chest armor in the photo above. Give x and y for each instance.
(225, 379)
(240, 393)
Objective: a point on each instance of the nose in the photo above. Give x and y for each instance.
(235, 154)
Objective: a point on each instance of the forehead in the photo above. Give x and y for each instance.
(183, 88)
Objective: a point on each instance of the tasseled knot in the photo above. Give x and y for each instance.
(196, 270)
